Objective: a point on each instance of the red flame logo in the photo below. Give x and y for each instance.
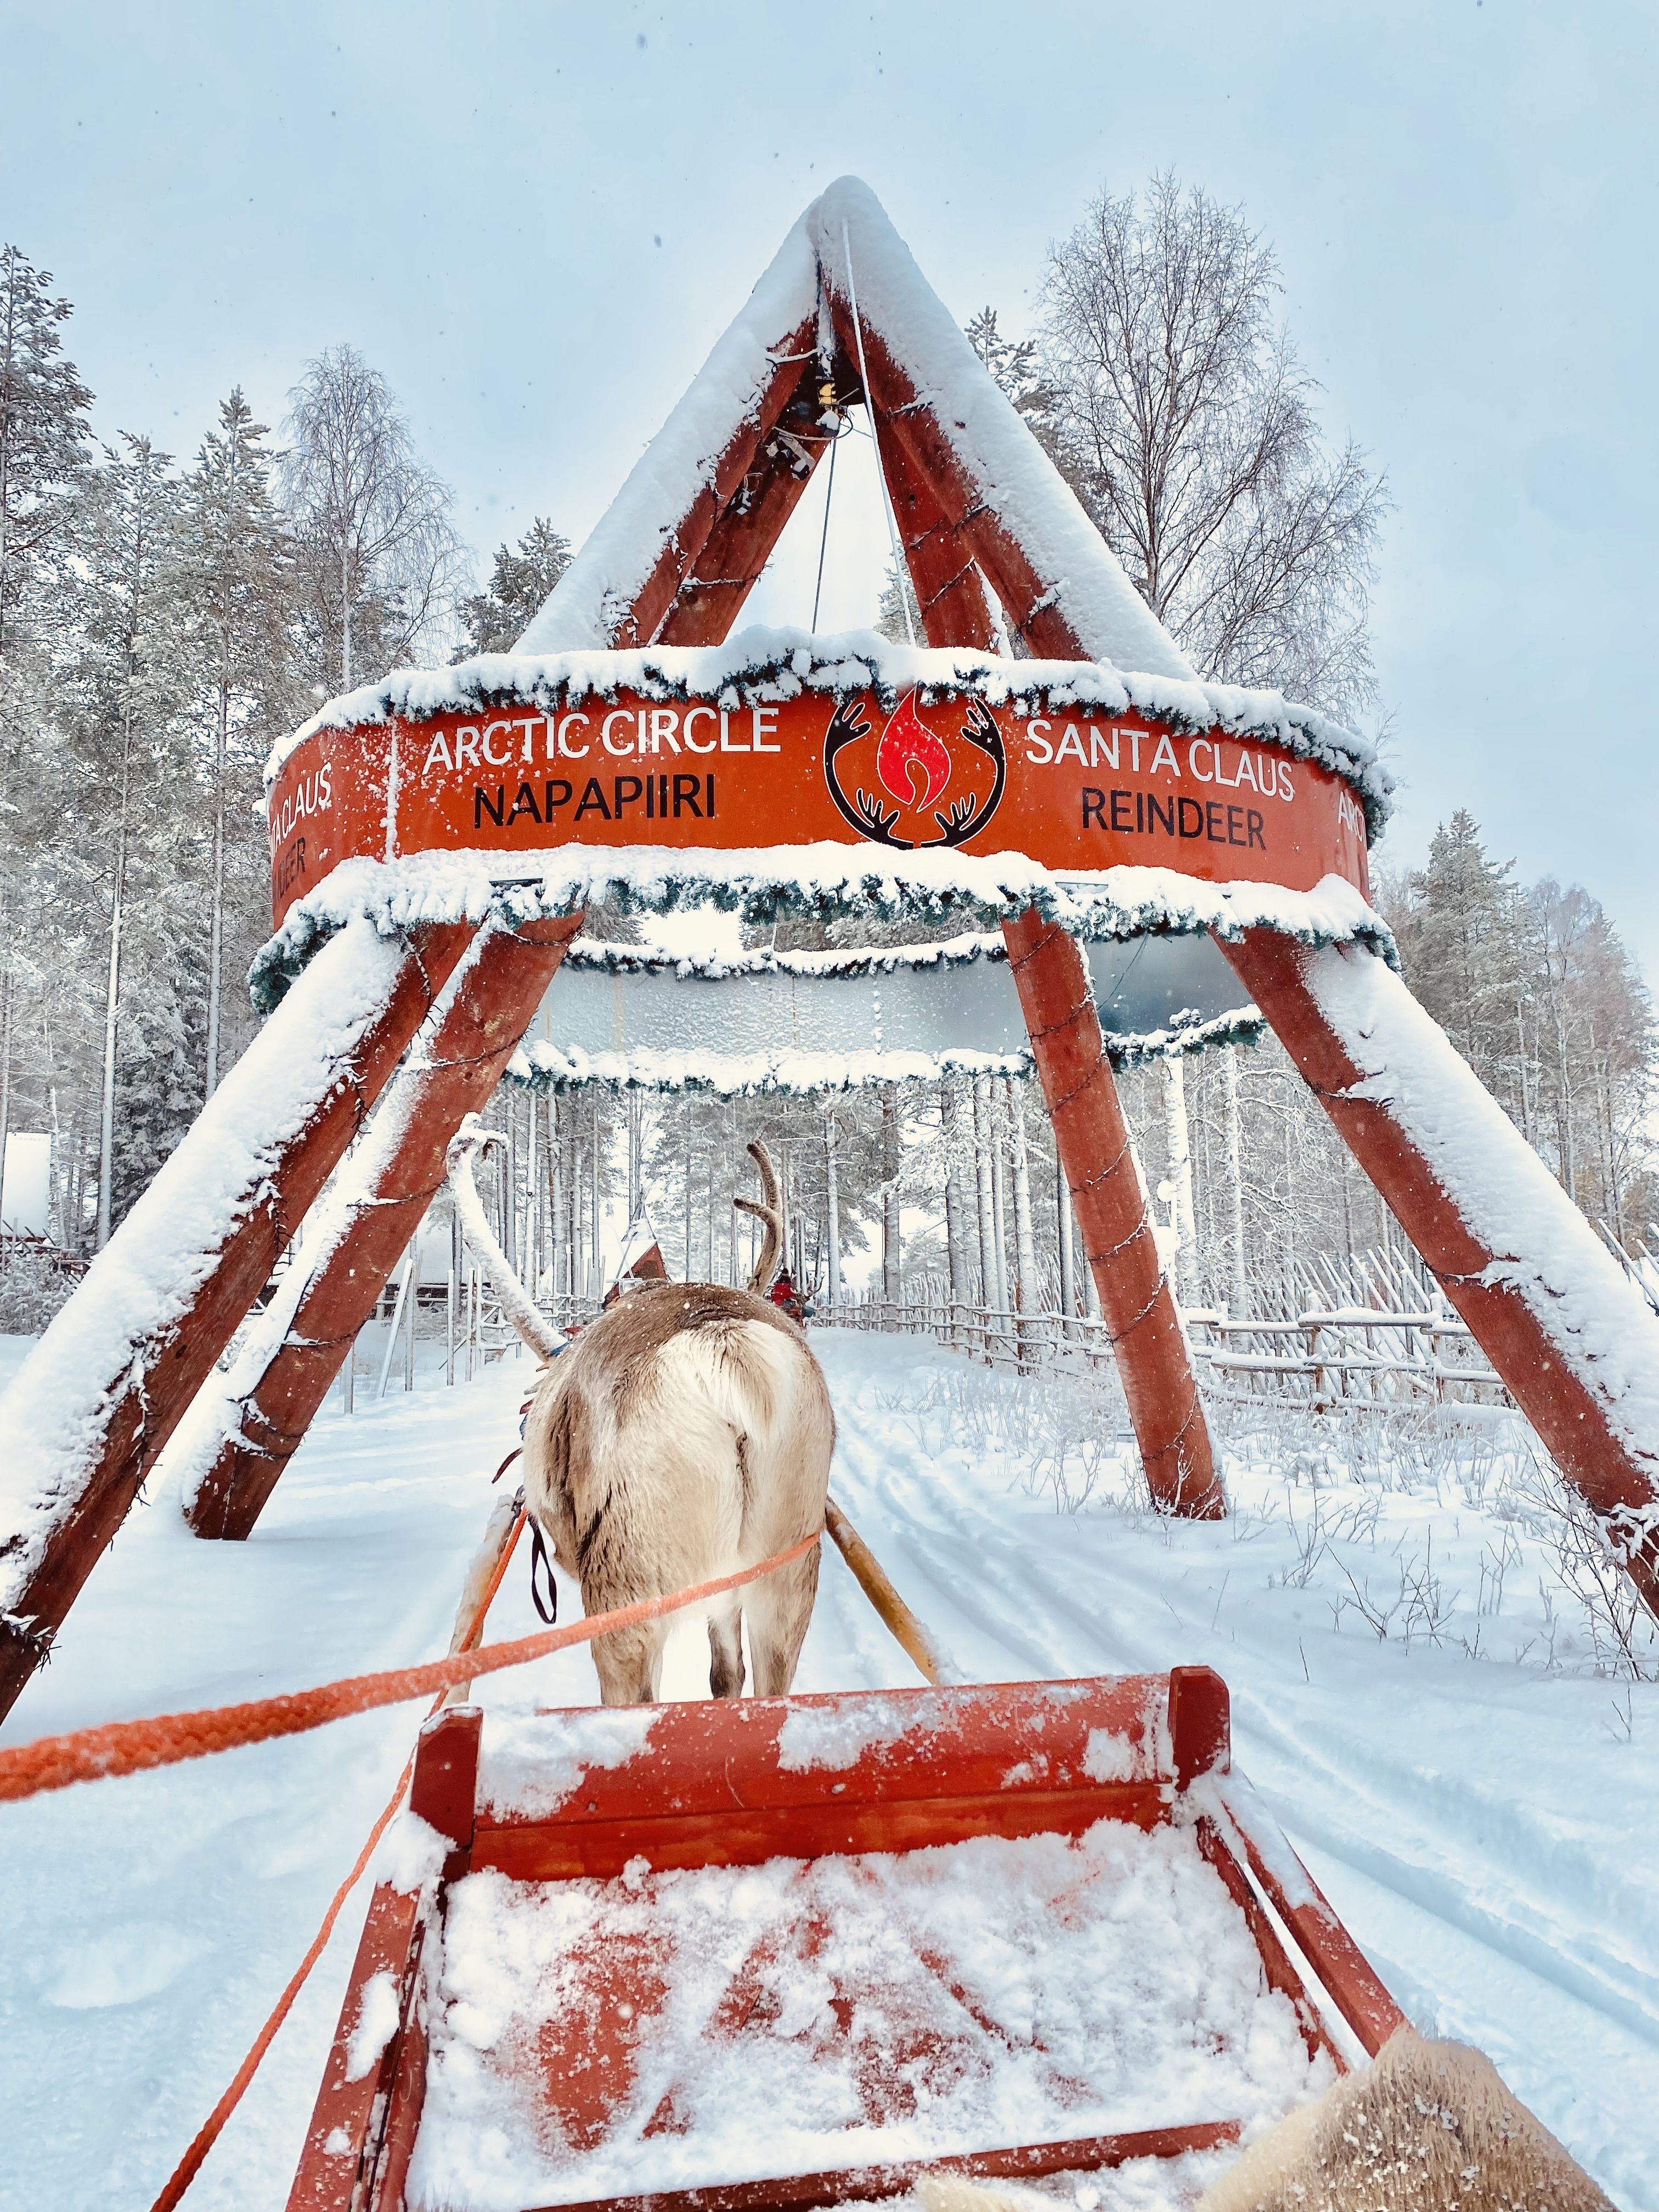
(907, 745)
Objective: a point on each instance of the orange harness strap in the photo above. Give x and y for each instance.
(477, 1663)
(53, 1762)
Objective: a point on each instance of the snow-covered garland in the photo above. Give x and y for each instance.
(822, 883)
(1186, 1035)
(840, 963)
(763, 666)
(543, 1066)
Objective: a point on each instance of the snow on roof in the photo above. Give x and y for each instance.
(598, 590)
(845, 234)
(997, 452)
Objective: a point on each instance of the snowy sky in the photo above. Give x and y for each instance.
(535, 220)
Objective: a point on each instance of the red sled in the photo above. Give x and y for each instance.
(794, 1952)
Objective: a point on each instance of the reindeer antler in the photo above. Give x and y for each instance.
(770, 1212)
(516, 1302)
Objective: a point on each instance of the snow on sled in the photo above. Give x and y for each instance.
(794, 1951)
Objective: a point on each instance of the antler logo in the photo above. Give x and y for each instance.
(914, 766)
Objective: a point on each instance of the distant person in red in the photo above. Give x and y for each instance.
(783, 1293)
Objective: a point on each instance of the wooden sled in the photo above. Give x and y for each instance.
(794, 1952)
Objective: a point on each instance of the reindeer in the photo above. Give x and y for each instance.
(1427, 2127)
(685, 1434)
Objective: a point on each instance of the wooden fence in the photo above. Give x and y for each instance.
(1354, 1356)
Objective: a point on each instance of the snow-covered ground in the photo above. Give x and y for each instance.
(1482, 1807)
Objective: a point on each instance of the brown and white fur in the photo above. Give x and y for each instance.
(686, 1433)
(1427, 2127)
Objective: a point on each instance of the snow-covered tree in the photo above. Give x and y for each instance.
(1183, 416)
(44, 434)
(379, 556)
(117, 755)
(519, 581)
(236, 574)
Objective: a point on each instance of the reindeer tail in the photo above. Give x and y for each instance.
(516, 1302)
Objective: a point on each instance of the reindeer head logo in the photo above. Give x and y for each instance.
(913, 766)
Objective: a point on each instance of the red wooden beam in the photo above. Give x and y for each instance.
(683, 548)
(949, 593)
(157, 1341)
(1554, 1393)
(855, 2184)
(1092, 1138)
(939, 522)
(496, 995)
(363, 2127)
(1344, 1971)
(709, 601)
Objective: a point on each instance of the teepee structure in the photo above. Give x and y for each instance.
(434, 837)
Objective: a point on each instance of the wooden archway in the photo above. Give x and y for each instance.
(977, 504)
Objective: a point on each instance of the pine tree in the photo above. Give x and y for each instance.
(158, 1086)
(43, 433)
(118, 751)
(1463, 949)
(43, 440)
(520, 581)
(1016, 366)
(897, 592)
(236, 574)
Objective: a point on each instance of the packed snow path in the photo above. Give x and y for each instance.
(1488, 1828)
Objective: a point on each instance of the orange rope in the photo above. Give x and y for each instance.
(210, 2129)
(207, 2134)
(53, 1762)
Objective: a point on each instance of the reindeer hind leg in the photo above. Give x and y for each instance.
(726, 1652)
(629, 1663)
(779, 1610)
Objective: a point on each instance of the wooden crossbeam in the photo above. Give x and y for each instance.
(494, 1000)
(1556, 1395)
(155, 1341)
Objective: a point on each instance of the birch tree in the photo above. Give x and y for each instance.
(380, 558)
(1175, 404)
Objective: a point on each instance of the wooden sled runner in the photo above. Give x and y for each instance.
(794, 1952)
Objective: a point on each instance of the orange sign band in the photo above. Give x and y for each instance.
(1074, 790)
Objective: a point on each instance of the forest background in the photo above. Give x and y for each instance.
(164, 620)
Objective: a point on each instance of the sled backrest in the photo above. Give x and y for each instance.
(547, 1795)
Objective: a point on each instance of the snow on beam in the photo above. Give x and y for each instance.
(620, 586)
(1561, 1322)
(950, 595)
(91, 1407)
(241, 1433)
(711, 594)
(996, 489)
(1046, 560)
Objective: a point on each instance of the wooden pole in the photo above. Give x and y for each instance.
(276, 1389)
(953, 532)
(873, 1581)
(280, 1119)
(1566, 1380)
(1093, 1140)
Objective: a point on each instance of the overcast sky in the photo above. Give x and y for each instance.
(535, 220)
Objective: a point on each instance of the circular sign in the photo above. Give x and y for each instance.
(1075, 789)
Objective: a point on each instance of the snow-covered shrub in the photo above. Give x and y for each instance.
(31, 1291)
